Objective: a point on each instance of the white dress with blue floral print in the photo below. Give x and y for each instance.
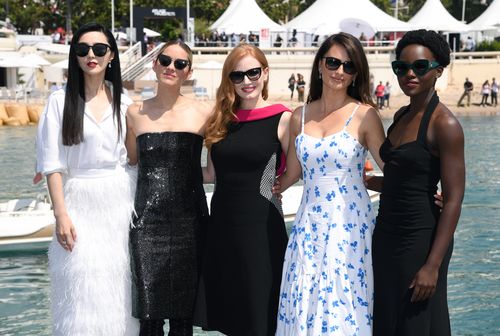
(327, 283)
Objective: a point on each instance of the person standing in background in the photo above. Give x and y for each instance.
(494, 92)
(379, 93)
(387, 93)
(82, 152)
(301, 87)
(291, 85)
(468, 87)
(485, 92)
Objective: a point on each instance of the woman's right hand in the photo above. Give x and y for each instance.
(276, 189)
(65, 232)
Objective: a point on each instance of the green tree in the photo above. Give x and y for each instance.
(384, 5)
(25, 15)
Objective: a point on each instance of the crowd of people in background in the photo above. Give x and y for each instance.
(216, 39)
(487, 91)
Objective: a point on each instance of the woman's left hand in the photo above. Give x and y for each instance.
(424, 283)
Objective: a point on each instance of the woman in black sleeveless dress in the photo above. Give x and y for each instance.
(413, 241)
(246, 237)
(165, 137)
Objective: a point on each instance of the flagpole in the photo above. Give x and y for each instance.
(463, 11)
(131, 21)
(113, 17)
(187, 21)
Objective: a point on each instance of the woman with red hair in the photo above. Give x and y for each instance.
(246, 239)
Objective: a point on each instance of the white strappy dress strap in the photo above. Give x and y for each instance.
(303, 116)
(351, 116)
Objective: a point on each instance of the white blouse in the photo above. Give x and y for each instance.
(100, 152)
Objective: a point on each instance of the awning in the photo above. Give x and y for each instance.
(53, 47)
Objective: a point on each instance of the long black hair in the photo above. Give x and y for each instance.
(359, 89)
(74, 102)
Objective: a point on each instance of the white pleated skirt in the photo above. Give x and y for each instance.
(90, 286)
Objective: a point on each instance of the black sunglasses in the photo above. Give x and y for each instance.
(333, 63)
(420, 67)
(238, 76)
(179, 63)
(99, 49)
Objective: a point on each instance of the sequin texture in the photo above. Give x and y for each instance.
(171, 208)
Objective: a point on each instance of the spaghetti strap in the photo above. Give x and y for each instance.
(424, 123)
(351, 116)
(303, 115)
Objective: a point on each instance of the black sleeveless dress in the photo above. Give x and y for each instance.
(403, 237)
(246, 238)
(165, 242)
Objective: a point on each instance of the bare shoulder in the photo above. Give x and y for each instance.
(197, 107)
(285, 118)
(296, 115)
(204, 108)
(366, 110)
(367, 113)
(295, 118)
(445, 122)
(134, 109)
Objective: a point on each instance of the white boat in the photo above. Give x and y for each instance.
(28, 224)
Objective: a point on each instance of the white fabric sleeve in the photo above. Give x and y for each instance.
(51, 154)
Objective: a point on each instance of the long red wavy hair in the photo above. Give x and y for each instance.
(227, 101)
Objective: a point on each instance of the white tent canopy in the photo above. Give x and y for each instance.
(227, 12)
(434, 16)
(244, 16)
(20, 60)
(489, 18)
(150, 33)
(326, 16)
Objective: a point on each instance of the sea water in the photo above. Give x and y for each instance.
(474, 274)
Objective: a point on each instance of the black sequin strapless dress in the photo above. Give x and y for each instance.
(165, 242)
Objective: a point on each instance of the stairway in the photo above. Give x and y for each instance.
(138, 66)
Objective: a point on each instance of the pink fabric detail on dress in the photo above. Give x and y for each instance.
(262, 113)
(282, 166)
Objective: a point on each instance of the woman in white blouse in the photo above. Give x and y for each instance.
(82, 153)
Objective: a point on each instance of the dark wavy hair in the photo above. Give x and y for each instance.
(427, 38)
(361, 90)
(74, 102)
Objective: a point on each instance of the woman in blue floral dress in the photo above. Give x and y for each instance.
(327, 283)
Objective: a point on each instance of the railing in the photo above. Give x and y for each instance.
(285, 50)
(476, 55)
(138, 68)
(130, 56)
(135, 66)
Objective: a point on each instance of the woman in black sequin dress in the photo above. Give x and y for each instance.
(413, 240)
(246, 238)
(165, 137)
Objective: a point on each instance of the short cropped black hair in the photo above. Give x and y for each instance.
(427, 38)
